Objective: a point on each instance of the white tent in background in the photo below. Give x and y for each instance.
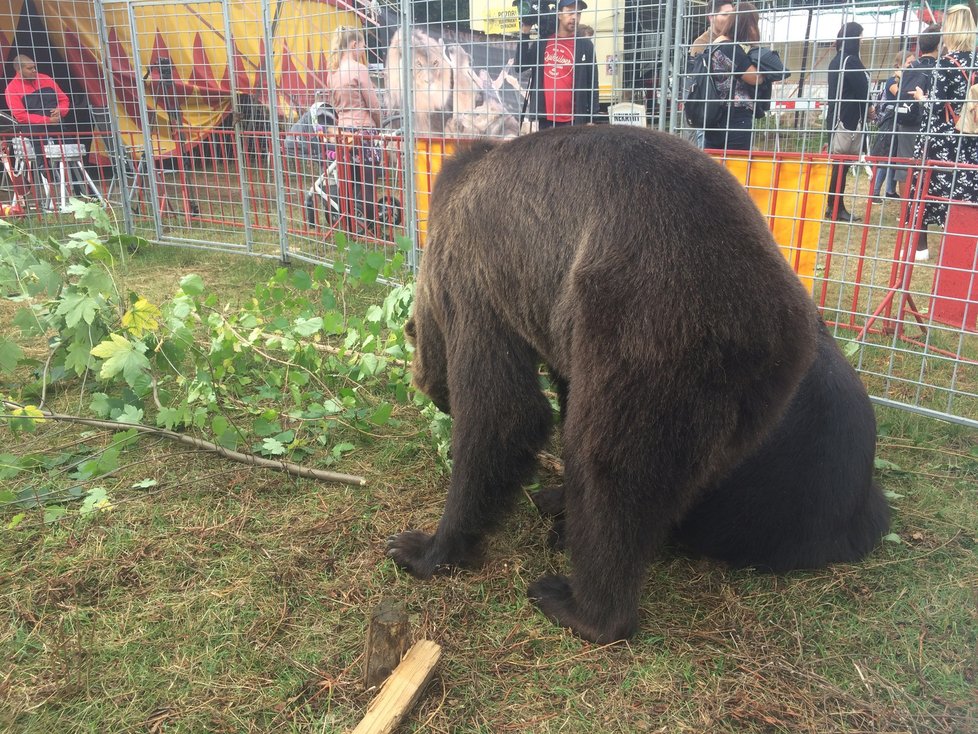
(790, 31)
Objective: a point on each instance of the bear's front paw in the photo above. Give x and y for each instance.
(411, 551)
(554, 597)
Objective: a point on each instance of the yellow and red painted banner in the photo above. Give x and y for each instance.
(194, 37)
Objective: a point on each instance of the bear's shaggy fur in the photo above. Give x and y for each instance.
(702, 397)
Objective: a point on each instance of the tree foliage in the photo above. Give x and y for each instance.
(288, 373)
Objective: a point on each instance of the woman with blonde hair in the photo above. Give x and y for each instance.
(938, 139)
(358, 115)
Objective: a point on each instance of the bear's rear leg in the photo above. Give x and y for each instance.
(501, 419)
(610, 548)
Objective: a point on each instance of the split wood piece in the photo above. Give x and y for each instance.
(388, 637)
(401, 691)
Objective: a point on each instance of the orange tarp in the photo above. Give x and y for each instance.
(790, 192)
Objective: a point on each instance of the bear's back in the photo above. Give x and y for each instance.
(632, 231)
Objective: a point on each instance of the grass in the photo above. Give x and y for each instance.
(227, 599)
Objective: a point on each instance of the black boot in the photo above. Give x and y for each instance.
(836, 190)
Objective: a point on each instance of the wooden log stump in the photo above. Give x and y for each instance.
(388, 637)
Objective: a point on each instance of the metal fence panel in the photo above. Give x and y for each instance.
(243, 153)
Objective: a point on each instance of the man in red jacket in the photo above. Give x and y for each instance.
(35, 100)
(38, 106)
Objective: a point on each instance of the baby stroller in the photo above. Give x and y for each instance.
(322, 203)
(306, 141)
(20, 171)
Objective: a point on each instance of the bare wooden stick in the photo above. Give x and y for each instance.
(286, 466)
(388, 637)
(402, 689)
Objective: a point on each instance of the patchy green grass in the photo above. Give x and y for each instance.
(230, 599)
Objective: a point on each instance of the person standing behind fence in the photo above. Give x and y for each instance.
(716, 19)
(358, 116)
(846, 112)
(966, 182)
(736, 77)
(938, 139)
(909, 112)
(886, 145)
(564, 74)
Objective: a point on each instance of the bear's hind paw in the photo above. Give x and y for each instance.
(549, 501)
(554, 597)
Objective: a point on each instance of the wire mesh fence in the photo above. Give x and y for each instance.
(287, 129)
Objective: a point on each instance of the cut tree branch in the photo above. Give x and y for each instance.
(242, 458)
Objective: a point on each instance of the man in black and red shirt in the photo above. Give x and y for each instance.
(35, 100)
(563, 70)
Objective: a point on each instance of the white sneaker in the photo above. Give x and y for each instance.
(921, 256)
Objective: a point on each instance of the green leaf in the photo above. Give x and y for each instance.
(96, 499)
(884, 465)
(145, 484)
(890, 495)
(382, 415)
(26, 320)
(96, 281)
(273, 447)
(101, 405)
(192, 285)
(307, 327)
(79, 357)
(76, 307)
(333, 322)
(301, 280)
(16, 520)
(123, 356)
(53, 514)
(892, 538)
(9, 467)
(219, 425)
(286, 437)
(228, 439)
(171, 418)
(130, 414)
(10, 355)
(263, 427)
(851, 348)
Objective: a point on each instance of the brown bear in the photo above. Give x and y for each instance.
(702, 399)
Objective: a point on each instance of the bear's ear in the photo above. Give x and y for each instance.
(409, 330)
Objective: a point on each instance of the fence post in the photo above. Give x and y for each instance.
(269, 31)
(119, 159)
(149, 155)
(238, 142)
(409, 148)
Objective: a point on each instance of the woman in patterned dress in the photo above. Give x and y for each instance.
(938, 139)
(966, 182)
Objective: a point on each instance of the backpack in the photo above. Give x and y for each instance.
(703, 105)
(768, 63)
(884, 105)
